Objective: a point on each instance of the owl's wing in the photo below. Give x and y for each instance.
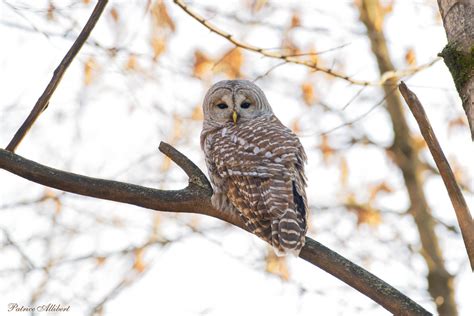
(262, 163)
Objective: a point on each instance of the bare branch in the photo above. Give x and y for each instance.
(25, 257)
(43, 101)
(195, 198)
(293, 58)
(266, 52)
(457, 199)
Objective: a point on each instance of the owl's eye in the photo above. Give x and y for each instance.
(222, 106)
(245, 105)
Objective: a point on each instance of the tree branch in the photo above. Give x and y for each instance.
(406, 157)
(265, 52)
(43, 100)
(293, 58)
(457, 199)
(458, 54)
(195, 198)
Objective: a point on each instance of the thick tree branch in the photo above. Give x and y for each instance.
(457, 199)
(43, 101)
(458, 20)
(195, 198)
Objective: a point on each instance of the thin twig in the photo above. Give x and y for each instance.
(293, 58)
(355, 96)
(265, 52)
(43, 101)
(318, 53)
(457, 199)
(25, 257)
(360, 117)
(269, 70)
(195, 198)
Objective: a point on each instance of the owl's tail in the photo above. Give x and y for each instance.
(288, 233)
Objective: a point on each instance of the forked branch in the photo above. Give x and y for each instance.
(195, 198)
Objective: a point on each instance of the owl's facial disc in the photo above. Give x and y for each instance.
(235, 101)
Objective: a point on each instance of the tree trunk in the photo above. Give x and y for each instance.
(458, 20)
(440, 282)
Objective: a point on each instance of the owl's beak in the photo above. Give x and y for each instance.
(235, 116)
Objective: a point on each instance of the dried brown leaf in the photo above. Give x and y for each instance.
(100, 260)
(277, 265)
(382, 187)
(295, 20)
(257, 5)
(344, 172)
(158, 46)
(326, 148)
(197, 114)
(457, 122)
(419, 142)
(313, 56)
(50, 12)
(388, 8)
(410, 57)
(160, 17)
(365, 213)
(132, 62)
(114, 14)
(51, 195)
(307, 91)
(295, 126)
(90, 70)
(289, 47)
(138, 263)
(202, 64)
(230, 63)
(165, 165)
(369, 216)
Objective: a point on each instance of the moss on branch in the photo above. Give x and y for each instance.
(460, 64)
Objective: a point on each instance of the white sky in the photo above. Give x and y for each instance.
(103, 129)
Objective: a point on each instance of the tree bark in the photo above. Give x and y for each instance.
(440, 282)
(458, 20)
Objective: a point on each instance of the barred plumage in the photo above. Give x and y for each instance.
(255, 163)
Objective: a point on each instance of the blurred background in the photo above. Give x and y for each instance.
(374, 191)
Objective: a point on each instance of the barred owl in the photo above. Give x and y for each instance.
(256, 164)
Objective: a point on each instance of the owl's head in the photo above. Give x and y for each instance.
(235, 101)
